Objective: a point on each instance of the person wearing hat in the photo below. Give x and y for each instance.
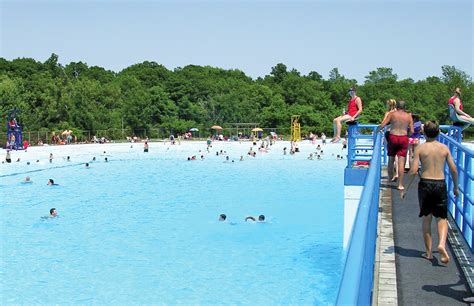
(354, 108)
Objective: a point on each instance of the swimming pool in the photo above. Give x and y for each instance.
(143, 228)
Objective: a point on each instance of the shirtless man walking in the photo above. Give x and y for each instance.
(397, 144)
(432, 191)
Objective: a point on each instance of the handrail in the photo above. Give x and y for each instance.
(355, 152)
(461, 207)
(357, 278)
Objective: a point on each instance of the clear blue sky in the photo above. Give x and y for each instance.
(415, 38)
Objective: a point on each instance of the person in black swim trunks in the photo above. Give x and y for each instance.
(432, 191)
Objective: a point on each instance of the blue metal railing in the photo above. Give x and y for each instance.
(360, 144)
(461, 207)
(454, 132)
(357, 279)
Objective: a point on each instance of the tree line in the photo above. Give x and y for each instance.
(148, 95)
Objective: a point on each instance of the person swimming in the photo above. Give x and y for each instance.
(87, 165)
(27, 180)
(106, 160)
(53, 213)
(260, 218)
(51, 182)
(222, 217)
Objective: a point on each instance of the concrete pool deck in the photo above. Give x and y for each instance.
(419, 281)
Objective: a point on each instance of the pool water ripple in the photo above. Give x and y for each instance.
(143, 228)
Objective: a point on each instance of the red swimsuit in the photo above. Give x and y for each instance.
(352, 107)
(451, 102)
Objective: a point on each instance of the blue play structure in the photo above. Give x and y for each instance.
(14, 132)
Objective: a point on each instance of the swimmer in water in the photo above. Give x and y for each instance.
(27, 180)
(87, 165)
(260, 218)
(53, 213)
(222, 217)
(51, 182)
(106, 160)
(241, 158)
(69, 158)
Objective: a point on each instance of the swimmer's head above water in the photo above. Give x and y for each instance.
(222, 217)
(53, 213)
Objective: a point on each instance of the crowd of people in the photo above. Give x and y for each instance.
(403, 135)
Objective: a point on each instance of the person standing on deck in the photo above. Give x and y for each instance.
(354, 108)
(432, 191)
(397, 144)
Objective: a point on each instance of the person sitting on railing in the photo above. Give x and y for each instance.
(432, 191)
(456, 113)
(354, 108)
(397, 145)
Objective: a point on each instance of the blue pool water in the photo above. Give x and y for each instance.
(143, 228)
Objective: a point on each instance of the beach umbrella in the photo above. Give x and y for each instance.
(194, 130)
(257, 130)
(216, 127)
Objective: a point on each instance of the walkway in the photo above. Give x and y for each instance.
(419, 281)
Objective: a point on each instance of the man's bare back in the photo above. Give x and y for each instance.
(433, 155)
(400, 122)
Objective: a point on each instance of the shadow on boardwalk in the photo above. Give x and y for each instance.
(420, 281)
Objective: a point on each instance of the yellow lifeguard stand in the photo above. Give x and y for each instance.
(295, 128)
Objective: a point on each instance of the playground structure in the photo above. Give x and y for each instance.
(14, 132)
(295, 128)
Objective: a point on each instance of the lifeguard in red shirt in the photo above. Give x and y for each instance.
(354, 108)
(456, 113)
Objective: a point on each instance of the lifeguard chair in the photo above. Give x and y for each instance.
(295, 128)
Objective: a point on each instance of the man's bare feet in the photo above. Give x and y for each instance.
(401, 188)
(394, 179)
(444, 254)
(427, 256)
